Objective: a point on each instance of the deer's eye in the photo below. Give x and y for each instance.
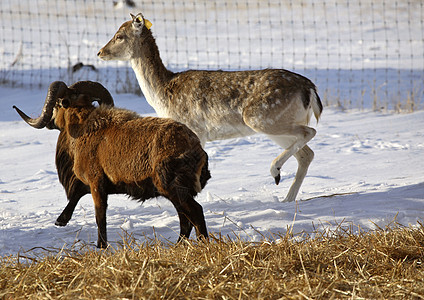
(119, 37)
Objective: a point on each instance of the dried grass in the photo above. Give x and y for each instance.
(381, 264)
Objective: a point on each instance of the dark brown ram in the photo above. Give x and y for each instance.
(106, 150)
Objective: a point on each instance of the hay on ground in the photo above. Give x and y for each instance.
(381, 264)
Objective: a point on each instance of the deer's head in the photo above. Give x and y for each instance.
(125, 40)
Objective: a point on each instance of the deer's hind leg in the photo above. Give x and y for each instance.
(304, 158)
(294, 141)
(285, 124)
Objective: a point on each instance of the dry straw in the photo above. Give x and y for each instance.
(373, 265)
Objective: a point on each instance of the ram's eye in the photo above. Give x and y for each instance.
(119, 37)
(65, 103)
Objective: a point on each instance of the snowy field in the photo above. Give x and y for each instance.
(367, 172)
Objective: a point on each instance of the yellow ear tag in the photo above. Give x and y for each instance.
(147, 23)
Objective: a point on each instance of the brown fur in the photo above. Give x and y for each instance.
(107, 150)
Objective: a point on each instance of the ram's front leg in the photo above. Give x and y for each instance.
(77, 191)
(66, 214)
(100, 206)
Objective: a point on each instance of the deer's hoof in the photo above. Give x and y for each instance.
(277, 179)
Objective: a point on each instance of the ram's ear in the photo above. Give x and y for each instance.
(138, 22)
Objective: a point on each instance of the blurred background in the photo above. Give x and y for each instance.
(361, 54)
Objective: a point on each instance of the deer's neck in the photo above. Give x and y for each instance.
(152, 75)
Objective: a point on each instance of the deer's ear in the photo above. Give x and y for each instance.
(147, 23)
(138, 22)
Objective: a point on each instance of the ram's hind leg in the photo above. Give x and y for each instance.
(180, 180)
(190, 214)
(196, 217)
(185, 225)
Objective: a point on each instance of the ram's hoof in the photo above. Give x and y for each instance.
(60, 223)
(277, 179)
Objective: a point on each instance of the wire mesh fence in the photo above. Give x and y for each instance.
(357, 52)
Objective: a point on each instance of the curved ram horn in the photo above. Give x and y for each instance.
(56, 90)
(94, 90)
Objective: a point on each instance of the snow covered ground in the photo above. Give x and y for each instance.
(367, 172)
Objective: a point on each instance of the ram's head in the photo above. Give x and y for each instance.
(60, 96)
